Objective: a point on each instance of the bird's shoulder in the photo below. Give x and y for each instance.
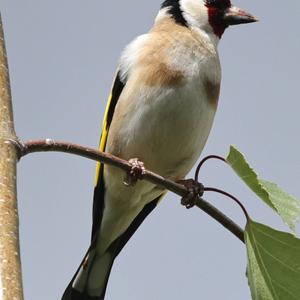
(167, 55)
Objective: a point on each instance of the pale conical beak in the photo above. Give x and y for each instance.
(235, 16)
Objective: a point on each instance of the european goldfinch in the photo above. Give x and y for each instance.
(161, 110)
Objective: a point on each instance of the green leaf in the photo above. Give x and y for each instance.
(285, 205)
(273, 263)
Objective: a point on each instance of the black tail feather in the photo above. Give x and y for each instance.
(114, 249)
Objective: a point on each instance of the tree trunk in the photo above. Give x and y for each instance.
(10, 265)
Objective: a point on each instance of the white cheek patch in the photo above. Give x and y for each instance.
(195, 12)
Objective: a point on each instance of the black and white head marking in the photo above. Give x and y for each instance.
(204, 14)
(174, 9)
(210, 16)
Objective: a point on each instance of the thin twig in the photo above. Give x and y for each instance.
(203, 161)
(106, 158)
(236, 200)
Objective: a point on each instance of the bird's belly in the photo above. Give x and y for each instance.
(169, 134)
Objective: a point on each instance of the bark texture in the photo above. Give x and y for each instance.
(10, 265)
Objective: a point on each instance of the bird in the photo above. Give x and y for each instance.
(159, 113)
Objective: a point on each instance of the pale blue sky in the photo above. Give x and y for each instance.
(62, 58)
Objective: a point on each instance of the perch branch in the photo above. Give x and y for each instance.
(106, 158)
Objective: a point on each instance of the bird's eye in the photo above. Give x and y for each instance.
(221, 4)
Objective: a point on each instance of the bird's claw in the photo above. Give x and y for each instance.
(195, 191)
(136, 172)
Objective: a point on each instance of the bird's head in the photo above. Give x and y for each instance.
(209, 15)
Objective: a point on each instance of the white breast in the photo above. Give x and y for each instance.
(167, 126)
(169, 131)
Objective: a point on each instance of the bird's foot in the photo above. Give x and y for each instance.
(195, 190)
(137, 171)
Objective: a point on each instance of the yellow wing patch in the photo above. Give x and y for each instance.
(103, 138)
